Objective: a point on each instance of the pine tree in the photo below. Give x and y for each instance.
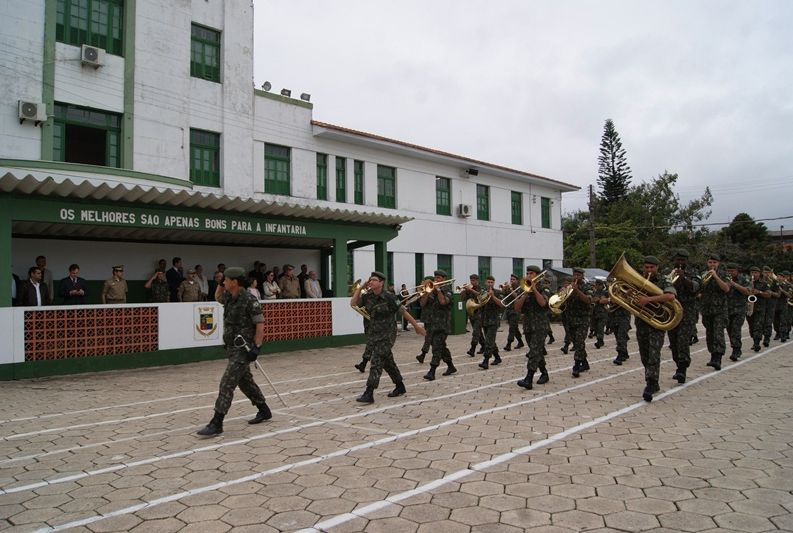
(614, 174)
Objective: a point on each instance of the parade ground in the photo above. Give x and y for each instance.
(117, 451)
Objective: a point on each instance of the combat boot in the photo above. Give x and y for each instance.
(481, 349)
(449, 369)
(651, 388)
(619, 359)
(680, 374)
(756, 345)
(694, 339)
(584, 365)
(565, 348)
(736, 354)
(526, 382)
(215, 426)
(361, 366)
(551, 340)
(508, 347)
(520, 343)
(544, 351)
(484, 365)
(472, 350)
(420, 357)
(591, 334)
(263, 414)
(766, 341)
(430, 375)
(367, 396)
(543, 375)
(398, 391)
(496, 359)
(576, 369)
(777, 337)
(715, 361)
(599, 343)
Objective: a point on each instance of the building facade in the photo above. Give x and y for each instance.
(130, 131)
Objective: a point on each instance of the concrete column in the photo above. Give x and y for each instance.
(5, 252)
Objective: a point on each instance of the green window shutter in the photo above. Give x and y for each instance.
(277, 169)
(85, 135)
(322, 177)
(484, 269)
(482, 202)
(445, 264)
(546, 212)
(94, 22)
(419, 268)
(205, 53)
(517, 267)
(517, 208)
(341, 179)
(386, 186)
(205, 158)
(443, 203)
(358, 178)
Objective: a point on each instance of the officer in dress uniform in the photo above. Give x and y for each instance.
(114, 291)
(243, 334)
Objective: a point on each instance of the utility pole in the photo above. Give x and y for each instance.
(592, 258)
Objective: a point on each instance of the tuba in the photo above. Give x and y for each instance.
(627, 286)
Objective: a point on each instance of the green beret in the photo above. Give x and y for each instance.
(378, 275)
(651, 260)
(785, 273)
(441, 273)
(237, 273)
(681, 252)
(731, 266)
(714, 257)
(754, 269)
(579, 270)
(427, 278)
(767, 268)
(472, 276)
(535, 268)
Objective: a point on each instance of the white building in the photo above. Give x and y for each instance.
(130, 131)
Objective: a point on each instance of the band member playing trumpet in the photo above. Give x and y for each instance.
(770, 303)
(736, 308)
(651, 339)
(439, 303)
(534, 306)
(381, 306)
(513, 319)
(490, 314)
(715, 286)
(578, 309)
(687, 283)
(761, 290)
(472, 291)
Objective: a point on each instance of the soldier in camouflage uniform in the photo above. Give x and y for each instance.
(242, 319)
(786, 288)
(620, 324)
(781, 306)
(650, 339)
(513, 319)
(736, 308)
(439, 302)
(760, 288)
(687, 286)
(491, 319)
(697, 312)
(565, 322)
(715, 286)
(472, 291)
(536, 318)
(381, 305)
(158, 285)
(366, 356)
(771, 304)
(578, 309)
(426, 318)
(600, 297)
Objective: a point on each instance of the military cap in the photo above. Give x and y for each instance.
(118, 267)
(237, 273)
(579, 270)
(427, 278)
(651, 260)
(785, 273)
(681, 252)
(491, 278)
(441, 273)
(378, 275)
(191, 271)
(714, 257)
(731, 266)
(472, 276)
(535, 268)
(513, 276)
(754, 269)
(767, 268)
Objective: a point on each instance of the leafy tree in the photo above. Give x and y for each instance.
(746, 242)
(614, 174)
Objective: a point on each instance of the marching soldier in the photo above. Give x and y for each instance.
(786, 288)
(760, 289)
(578, 309)
(513, 319)
(715, 286)
(546, 283)
(736, 308)
(600, 297)
(439, 302)
(649, 338)
(366, 356)
(534, 306)
(381, 305)
(426, 318)
(490, 314)
(620, 324)
(565, 323)
(472, 291)
(771, 304)
(687, 284)
(243, 334)
(781, 306)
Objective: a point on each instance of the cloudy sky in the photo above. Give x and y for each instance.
(700, 88)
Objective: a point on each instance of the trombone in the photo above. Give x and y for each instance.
(420, 290)
(525, 287)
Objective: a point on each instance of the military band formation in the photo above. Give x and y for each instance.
(663, 304)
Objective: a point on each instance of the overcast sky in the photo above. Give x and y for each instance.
(700, 88)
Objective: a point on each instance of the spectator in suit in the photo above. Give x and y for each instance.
(175, 278)
(46, 277)
(33, 291)
(302, 278)
(73, 288)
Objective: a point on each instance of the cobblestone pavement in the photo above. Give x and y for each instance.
(117, 451)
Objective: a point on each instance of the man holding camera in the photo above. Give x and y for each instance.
(243, 334)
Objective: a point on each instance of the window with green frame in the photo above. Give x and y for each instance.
(350, 267)
(445, 264)
(484, 269)
(358, 178)
(443, 197)
(419, 268)
(482, 202)
(517, 208)
(96, 22)
(205, 53)
(386, 186)
(517, 267)
(341, 179)
(276, 169)
(545, 203)
(322, 177)
(87, 136)
(205, 158)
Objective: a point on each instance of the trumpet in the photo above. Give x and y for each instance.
(359, 308)
(526, 286)
(461, 288)
(707, 277)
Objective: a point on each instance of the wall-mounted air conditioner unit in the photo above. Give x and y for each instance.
(464, 210)
(35, 111)
(92, 56)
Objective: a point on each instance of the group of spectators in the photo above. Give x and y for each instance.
(38, 289)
